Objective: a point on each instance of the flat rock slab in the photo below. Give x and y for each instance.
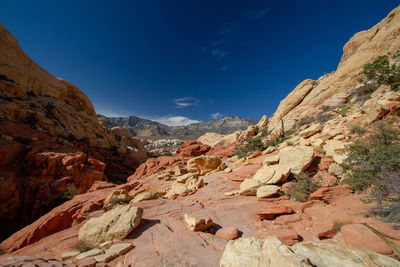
(90, 253)
(106, 257)
(120, 249)
(271, 210)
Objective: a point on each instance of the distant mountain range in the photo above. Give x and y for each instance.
(147, 129)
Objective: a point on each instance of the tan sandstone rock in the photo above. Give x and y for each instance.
(210, 139)
(249, 187)
(297, 158)
(373, 110)
(117, 197)
(311, 130)
(271, 160)
(203, 164)
(196, 222)
(253, 252)
(267, 191)
(115, 224)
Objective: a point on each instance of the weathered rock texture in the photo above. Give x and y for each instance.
(309, 97)
(52, 144)
(271, 252)
(115, 224)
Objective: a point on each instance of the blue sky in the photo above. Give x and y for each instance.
(188, 60)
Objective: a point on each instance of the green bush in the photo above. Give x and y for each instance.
(363, 93)
(114, 202)
(373, 163)
(382, 71)
(302, 187)
(343, 111)
(67, 195)
(249, 145)
(357, 128)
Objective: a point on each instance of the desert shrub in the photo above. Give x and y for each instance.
(114, 202)
(357, 128)
(339, 224)
(363, 93)
(275, 141)
(249, 145)
(343, 111)
(373, 163)
(302, 187)
(289, 132)
(81, 246)
(67, 195)
(320, 150)
(383, 71)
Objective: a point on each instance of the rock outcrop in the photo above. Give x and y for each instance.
(52, 144)
(309, 97)
(271, 252)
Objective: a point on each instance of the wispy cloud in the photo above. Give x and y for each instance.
(227, 29)
(257, 14)
(224, 68)
(184, 102)
(217, 115)
(172, 120)
(219, 54)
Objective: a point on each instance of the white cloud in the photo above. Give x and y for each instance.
(224, 68)
(217, 115)
(171, 120)
(184, 102)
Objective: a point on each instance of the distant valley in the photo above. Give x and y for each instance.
(147, 129)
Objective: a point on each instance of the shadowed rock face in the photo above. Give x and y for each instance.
(147, 129)
(44, 122)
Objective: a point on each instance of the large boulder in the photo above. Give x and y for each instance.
(298, 158)
(210, 139)
(373, 110)
(249, 187)
(324, 254)
(115, 224)
(267, 191)
(204, 164)
(255, 252)
(192, 149)
(275, 174)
